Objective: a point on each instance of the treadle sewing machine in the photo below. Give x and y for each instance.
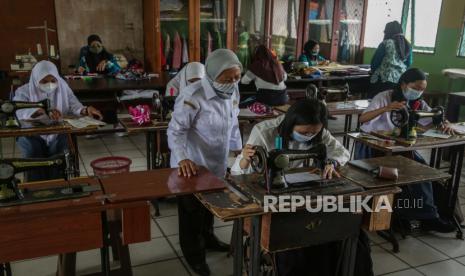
(8, 118)
(11, 194)
(407, 119)
(277, 178)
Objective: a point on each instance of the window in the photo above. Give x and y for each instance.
(425, 15)
(250, 28)
(422, 15)
(461, 51)
(284, 28)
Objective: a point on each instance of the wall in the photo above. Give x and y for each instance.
(117, 22)
(15, 17)
(445, 56)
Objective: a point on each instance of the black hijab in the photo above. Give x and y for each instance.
(92, 59)
(393, 30)
(308, 49)
(411, 75)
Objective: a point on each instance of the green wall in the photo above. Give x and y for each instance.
(445, 56)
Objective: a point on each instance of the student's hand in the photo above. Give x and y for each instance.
(101, 66)
(447, 128)
(93, 112)
(187, 168)
(39, 112)
(395, 106)
(329, 171)
(81, 70)
(54, 114)
(248, 151)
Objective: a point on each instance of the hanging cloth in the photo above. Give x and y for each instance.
(162, 54)
(177, 51)
(168, 50)
(185, 52)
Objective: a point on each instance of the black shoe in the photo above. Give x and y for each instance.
(201, 269)
(438, 225)
(215, 244)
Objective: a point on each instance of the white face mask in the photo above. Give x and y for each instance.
(225, 90)
(302, 138)
(412, 94)
(48, 87)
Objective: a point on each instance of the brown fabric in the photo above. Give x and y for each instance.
(265, 66)
(388, 173)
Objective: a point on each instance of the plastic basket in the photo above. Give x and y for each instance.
(110, 165)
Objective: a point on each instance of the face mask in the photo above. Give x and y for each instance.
(48, 87)
(412, 94)
(302, 138)
(225, 90)
(314, 53)
(96, 49)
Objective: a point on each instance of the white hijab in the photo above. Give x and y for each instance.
(59, 99)
(193, 70)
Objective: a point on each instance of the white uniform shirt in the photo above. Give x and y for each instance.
(204, 127)
(383, 122)
(261, 84)
(264, 134)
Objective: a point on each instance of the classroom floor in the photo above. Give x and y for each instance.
(425, 254)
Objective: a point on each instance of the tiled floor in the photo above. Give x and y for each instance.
(430, 254)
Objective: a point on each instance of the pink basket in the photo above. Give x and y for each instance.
(110, 165)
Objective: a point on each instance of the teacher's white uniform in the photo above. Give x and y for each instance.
(204, 127)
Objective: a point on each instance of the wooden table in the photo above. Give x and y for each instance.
(56, 227)
(456, 145)
(112, 85)
(81, 224)
(155, 144)
(227, 205)
(347, 108)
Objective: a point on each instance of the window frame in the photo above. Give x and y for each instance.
(461, 41)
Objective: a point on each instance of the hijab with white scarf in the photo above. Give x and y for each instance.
(217, 62)
(61, 99)
(193, 70)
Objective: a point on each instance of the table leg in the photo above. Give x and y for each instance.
(238, 246)
(75, 151)
(455, 170)
(347, 128)
(148, 150)
(104, 252)
(255, 245)
(435, 159)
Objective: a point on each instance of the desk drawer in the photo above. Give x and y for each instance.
(284, 231)
(43, 236)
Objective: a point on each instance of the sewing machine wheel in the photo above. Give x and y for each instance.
(399, 118)
(6, 171)
(7, 107)
(259, 160)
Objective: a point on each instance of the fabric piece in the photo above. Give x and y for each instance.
(177, 52)
(265, 66)
(185, 52)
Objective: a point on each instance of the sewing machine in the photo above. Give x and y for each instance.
(327, 93)
(8, 110)
(11, 194)
(406, 120)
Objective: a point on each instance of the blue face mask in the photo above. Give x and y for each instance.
(302, 138)
(412, 94)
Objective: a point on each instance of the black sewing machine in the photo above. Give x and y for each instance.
(407, 119)
(11, 194)
(274, 166)
(8, 118)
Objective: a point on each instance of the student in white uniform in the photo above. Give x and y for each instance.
(303, 126)
(203, 129)
(269, 76)
(191, 73)
(46, 83)
(376, 117)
